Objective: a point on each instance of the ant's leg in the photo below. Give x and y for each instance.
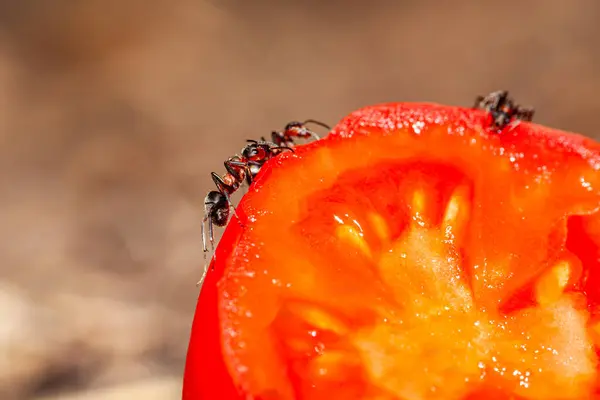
(525, 114)
(204, 248)
(500, 98)
(220, 183)
(235, 168)
(232, 208)
(512, 125)
(311, 132)
(283, 148)
(211, 235)
(244, 188)
(522, 115)
(277, 138)
(225, 190)
(201, 281)
(204, 272)
(530, 114)
(250, 172)
(478, 101)
(241, 166)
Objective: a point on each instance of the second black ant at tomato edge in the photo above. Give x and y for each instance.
(502, 109)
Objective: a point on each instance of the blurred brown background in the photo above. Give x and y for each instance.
(113, 113)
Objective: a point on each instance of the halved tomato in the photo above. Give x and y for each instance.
(410, 254)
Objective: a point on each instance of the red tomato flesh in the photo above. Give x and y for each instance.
(410, 254)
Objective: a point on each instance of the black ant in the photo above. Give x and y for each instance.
(240, 168)
(296, 129)
(502, 109)
(245, 167)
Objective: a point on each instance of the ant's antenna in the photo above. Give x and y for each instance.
(314, 121)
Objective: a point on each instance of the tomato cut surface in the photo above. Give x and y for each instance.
(410, 254)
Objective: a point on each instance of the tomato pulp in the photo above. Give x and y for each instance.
(413, 253)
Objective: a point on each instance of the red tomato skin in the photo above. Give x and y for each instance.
(382, 119)
(206, 376)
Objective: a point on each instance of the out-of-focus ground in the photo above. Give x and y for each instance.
(113, 113)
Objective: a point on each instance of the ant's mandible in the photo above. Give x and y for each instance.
(502, 109)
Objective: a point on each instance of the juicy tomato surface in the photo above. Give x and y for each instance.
(410, 254)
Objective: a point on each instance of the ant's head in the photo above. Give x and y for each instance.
(255, 151)
(294, 125)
